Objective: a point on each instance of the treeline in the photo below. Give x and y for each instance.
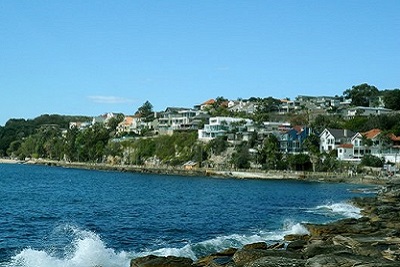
(49, 137)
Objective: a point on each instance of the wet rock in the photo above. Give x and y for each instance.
(276, 262)
(258, 245)
(219, 259)
(347, 242)
(157, 261)
(324, 248)
(297, 245)
(293, 237)
(346, 260)
(245, 256)
(276, 246)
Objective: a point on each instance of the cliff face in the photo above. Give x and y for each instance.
(373, 240)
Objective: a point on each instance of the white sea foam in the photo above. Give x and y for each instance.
(87, 250)
(294, 228)
(342, 209)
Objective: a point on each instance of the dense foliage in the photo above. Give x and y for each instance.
(50, 137)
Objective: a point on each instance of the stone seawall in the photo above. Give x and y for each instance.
(239, 174)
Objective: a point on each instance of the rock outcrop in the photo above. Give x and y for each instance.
(373, 240)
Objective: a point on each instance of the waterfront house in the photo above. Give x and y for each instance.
(291, 141)
(331, 138)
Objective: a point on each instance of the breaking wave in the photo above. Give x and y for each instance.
(86, 249)
(338, 209)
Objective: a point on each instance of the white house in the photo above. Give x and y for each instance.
(367, 111)
(345, 151)
(219, 126)
(174, 118)
(331, 138)
(132, 124)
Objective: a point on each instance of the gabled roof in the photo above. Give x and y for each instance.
(176, 109)
(341, 133)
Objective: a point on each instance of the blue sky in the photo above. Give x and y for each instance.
(91, 57)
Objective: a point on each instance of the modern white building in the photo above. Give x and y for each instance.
(367, 111)
(220, 126)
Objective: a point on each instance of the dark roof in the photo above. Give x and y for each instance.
(341, 133)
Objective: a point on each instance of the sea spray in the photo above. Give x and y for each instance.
(115, 216)
(342, 209)
(86, 249)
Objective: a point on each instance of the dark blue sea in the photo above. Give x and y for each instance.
(53, 216)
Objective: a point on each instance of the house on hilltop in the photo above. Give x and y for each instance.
(206, 105)
(220, 126)
(366, 111)
(176, 118)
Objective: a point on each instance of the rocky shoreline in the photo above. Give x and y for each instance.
(370, 241)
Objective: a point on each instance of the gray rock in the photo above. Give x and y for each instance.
(156, 261)
(276, 262)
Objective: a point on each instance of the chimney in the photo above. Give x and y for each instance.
(345, 132)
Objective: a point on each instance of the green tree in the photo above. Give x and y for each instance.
(364, 95)
(270, 155)
(114, 121)
(146, 111)
(372, 161)
(70, 144)
(311, 144)
(391, 98)
(241, 158)
(322, 121)
(264, 107)
(217, 145)
(299, 162)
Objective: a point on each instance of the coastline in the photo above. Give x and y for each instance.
(372, 240)
(235, 174)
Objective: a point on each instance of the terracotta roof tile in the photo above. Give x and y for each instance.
(372, 133)
(345, 146)
(209, 102)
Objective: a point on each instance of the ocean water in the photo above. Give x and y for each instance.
(60, 217)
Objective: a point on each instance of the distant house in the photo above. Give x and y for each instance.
(331, 138)
(345, 151)
(132, 124)
(287, 106)
(242, 106)
(291, 141)
(206, 105)
(103, 119)
(79, 125)
(220, 126)
(368, 143)
(175, 118)
(367, 111)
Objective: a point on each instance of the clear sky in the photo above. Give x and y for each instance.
(91, 57)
